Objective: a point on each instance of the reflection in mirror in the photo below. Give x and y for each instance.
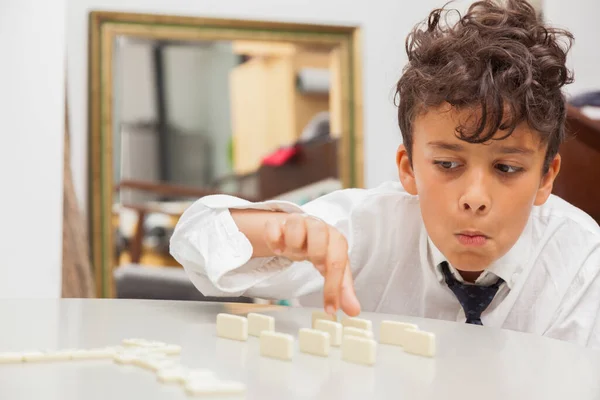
(258, 120)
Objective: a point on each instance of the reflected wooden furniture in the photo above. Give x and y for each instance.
(267, 110)
(314, 162)
(166, 191)
(579, 179)
(135, 279)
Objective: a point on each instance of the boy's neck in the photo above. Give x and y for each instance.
(470, 276)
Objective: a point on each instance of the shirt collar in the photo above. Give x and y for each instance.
(508, 267)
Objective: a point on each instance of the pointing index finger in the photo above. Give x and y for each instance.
(336, 261)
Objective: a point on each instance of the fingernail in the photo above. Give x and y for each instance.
(330, 310)
(277, 251)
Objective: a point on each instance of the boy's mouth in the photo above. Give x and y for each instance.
(472, 238)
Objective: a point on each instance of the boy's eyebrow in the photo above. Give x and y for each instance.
(502, 149)
(446, 145)
(515, 150)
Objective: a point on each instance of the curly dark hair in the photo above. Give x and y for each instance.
(499, 58)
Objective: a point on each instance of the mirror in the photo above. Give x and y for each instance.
(186, 107)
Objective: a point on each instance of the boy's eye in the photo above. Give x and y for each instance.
(508, 169)
(447, 164)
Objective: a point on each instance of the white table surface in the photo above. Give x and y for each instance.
(472, 362)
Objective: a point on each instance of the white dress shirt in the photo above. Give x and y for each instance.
(552, 273)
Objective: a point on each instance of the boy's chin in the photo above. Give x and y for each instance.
(470, 262)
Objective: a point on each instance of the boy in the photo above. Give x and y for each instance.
(472, 234)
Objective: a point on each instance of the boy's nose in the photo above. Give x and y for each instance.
(475, 199)
(475, 205)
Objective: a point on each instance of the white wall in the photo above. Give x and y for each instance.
(581, 18)
(32, 41)
(385, 25)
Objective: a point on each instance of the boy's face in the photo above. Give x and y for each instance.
(475, 199)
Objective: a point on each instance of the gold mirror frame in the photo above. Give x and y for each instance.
(106, 26)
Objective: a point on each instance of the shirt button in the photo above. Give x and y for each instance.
(514, 278)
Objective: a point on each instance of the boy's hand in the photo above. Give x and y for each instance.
(301, 238)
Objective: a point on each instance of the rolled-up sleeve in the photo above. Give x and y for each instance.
(217, 256)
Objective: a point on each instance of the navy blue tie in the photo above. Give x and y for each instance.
(473, 299)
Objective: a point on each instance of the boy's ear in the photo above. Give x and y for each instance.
(547, 182)
(405, 171)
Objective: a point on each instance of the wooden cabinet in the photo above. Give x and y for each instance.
(577, 181)
(267, 110)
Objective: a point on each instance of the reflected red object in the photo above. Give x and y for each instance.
(280, 156)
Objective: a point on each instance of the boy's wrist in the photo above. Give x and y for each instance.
(251, 223)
